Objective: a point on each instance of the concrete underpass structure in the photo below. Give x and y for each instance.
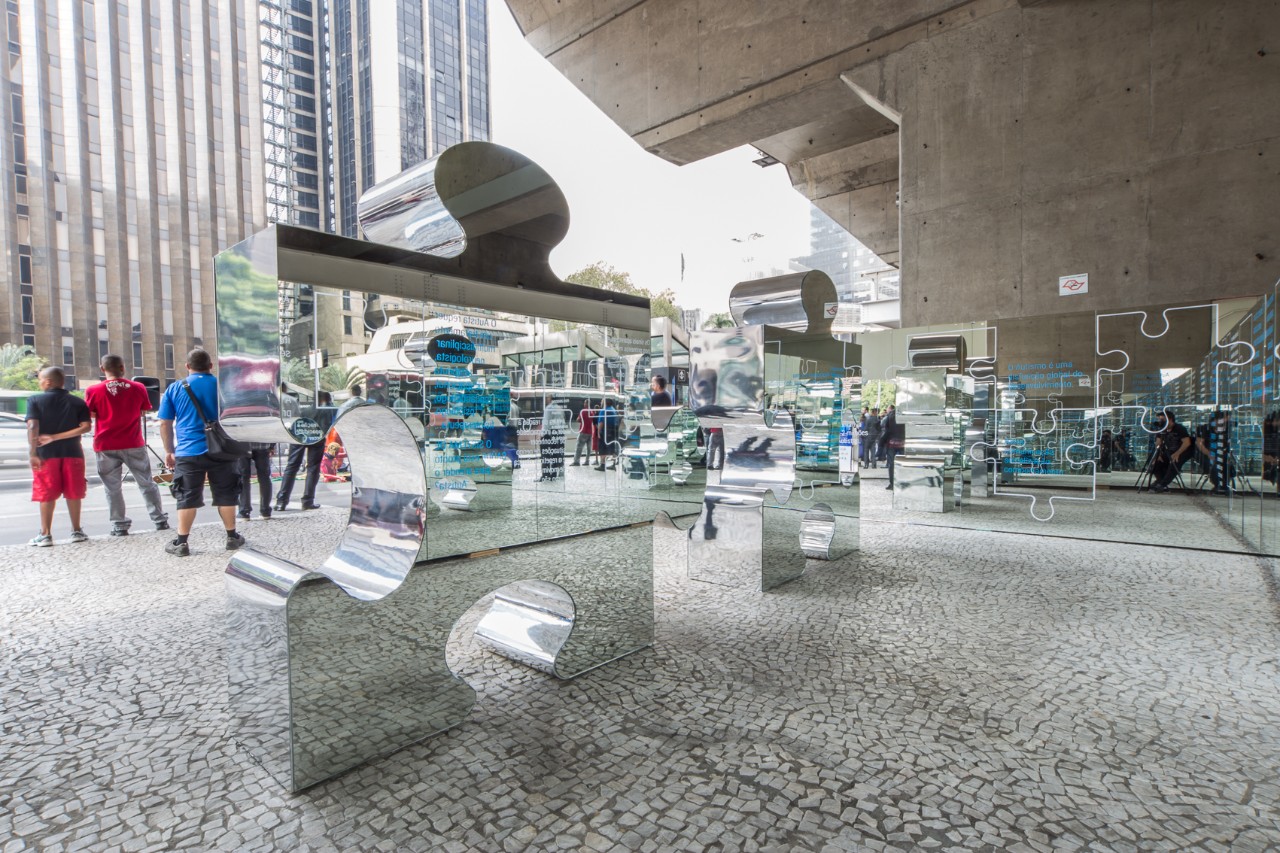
(984, 147)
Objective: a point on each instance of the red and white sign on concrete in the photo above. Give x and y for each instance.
(1073, 285)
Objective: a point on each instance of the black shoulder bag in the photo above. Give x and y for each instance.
(221, 447)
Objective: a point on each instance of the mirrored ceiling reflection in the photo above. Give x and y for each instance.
(1155, 426)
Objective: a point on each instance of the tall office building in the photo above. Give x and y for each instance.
(859, 276)
(142, 138)
(131, 153)
(295, 112)
(405, 86)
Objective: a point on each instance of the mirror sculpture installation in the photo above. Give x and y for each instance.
(1067, 425)
(334, 664)
(775, 402)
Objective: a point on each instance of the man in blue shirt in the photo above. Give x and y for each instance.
(182, 430)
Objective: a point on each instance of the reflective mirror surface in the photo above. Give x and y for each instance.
(1149, 426)
(454, 383)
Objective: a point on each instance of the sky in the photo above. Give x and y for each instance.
(631, 209)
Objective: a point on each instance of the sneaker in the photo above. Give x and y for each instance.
(162, 525)
(178, 549)
(44, 540)
(245, 514)
(120, 531)
(79, 536)
(311, 506)
(888, 487)
(280, 507)
(266, 513)
(234, 541)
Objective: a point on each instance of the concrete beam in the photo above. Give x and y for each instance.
(1036, 138)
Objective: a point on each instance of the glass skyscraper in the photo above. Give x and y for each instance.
(859, 275)
(406, 85)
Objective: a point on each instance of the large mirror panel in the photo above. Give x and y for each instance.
(1151, 426)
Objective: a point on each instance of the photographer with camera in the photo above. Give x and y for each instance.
(1173, 447)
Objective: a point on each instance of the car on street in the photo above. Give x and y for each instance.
(13, 438)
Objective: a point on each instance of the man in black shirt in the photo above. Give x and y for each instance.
(658, 393)
(891, 439)
(314, 454)
(55, 422)
(1173, 448)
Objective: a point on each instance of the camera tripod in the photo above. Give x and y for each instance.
(1146, 479)
(1237, 482)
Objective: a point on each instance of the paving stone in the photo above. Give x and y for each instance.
(942, 689)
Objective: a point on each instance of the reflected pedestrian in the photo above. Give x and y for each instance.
(259, 460)
(658, 394)
(586, 433)
(322, 413)
(892, 439)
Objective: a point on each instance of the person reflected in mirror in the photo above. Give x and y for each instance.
(607, 423)
(333, 465)
(875, 435)
(356, 399)
(55, 422)
(1271, 449)
(117, 405)
(313, 453)
(258, 460)
(1106, 448)
(586, 434)
(182, 429)
(891, 440)
(862, 436)
(1213, 449)
(1121, 456)
(748, 454)
(1172, 448)
(715, 448)
(658, 394)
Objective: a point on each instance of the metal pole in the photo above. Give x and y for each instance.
(315, 344)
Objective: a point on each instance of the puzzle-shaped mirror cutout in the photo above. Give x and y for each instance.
(1062, 443)
(1181, 366)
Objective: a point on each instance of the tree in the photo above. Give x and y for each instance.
(878, 394)
(719, 321)
(605, 277)
(20, 368)
(334, 377)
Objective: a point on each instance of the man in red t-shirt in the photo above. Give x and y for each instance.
(117, 405)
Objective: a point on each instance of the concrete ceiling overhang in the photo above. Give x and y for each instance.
(1033, 139)
(767, 76)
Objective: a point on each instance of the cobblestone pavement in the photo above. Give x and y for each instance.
(944, 689)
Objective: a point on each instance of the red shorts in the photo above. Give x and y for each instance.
(60, 478)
